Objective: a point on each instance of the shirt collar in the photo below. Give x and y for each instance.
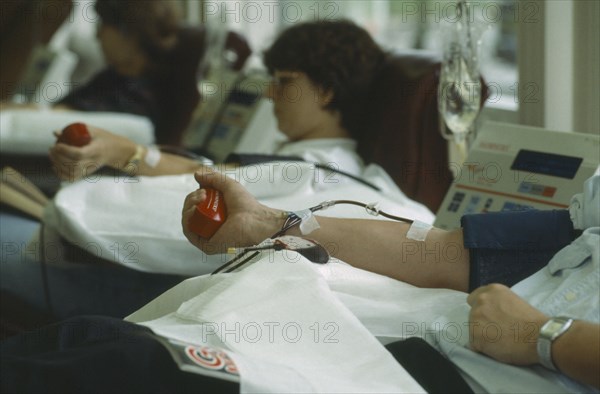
(320, 143)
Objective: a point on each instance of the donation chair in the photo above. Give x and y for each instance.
(404, 126)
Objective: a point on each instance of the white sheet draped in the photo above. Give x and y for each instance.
(137, 221)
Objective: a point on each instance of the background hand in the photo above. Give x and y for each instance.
(72, 163)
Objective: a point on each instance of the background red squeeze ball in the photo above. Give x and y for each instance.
(209, 214)
(75, 134)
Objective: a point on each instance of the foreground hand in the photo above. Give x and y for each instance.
(503, 325)
(72, 163)
(248, 222)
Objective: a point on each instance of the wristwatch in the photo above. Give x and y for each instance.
(551, 330)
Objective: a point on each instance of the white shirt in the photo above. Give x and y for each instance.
(568, 286)
(338, 153)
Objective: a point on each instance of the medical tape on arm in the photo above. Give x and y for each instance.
(308, 222)
(152, 156)
(418, 230)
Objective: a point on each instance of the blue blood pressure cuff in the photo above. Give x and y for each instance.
(506, 247)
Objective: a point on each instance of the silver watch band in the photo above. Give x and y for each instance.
(551, 330)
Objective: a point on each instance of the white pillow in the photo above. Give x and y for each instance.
(28, 131)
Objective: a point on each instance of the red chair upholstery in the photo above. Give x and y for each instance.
(237, 44)
(404, 128)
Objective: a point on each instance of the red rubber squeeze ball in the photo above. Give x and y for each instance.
(75, 134)
(209, 214)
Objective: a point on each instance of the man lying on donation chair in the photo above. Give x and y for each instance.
(546, 327)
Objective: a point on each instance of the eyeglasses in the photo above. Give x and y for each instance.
(281, 79)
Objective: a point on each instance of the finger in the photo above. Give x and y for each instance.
(194, 238)
(194, 198)
(189, 207)
(52, 155)
(55, 155)
(65, 173)
(474, 333)
(474, 295)
(68, 152)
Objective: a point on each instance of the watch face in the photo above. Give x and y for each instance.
(551, 327)
(555, 327)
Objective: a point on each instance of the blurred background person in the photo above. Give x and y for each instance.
(321, 75)
(148, 68)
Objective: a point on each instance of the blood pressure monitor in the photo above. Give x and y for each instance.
(513, 167)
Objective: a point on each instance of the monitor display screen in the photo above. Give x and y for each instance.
(547, 163)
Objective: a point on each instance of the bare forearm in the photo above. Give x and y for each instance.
(577, 352)
(382, 247)
(374, 245)
(168, 164)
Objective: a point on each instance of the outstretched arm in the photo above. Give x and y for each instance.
(373, 245)
(576, 353)
(108, 149)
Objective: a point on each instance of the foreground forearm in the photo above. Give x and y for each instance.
(382, 247)
(577, 352)
(374, 245)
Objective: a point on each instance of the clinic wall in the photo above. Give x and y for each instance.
(587, 61)
(558, 57)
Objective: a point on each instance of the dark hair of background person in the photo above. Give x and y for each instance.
(154, 24)
(174, 55)
(167, 92)
(337, 56)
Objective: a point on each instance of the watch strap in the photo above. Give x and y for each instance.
(132, 165)
(549, 332)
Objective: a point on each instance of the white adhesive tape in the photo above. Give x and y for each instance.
(152, 156)
(309, 222)
(418, 230)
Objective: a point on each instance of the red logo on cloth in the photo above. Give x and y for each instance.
(211, 359)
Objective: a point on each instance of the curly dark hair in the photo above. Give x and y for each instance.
(337, 56)
(153, 23)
